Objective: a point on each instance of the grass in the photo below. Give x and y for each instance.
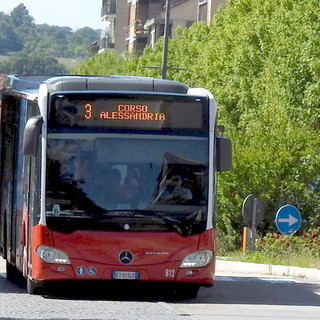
(3, 58)
(298, 250)
(69, 63)
(295, 260)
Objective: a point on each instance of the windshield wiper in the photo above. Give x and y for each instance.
(139, 218)
(185, 224)
(67, 213)
(152, 216)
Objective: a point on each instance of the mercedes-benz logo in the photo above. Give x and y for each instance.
(126, 257)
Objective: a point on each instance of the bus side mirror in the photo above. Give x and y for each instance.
(224, 154)
(31, 135)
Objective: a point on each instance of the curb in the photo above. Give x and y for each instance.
(266, 269)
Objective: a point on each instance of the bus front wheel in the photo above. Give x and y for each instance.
(34, 287)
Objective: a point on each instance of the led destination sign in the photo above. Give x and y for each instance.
(127, 111)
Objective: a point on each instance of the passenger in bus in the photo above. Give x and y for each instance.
(90, 173)
(66, 114)
(101, 184)
(110, 191)
(174, 192)
(130, 188)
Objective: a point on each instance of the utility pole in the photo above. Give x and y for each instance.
(164, 66)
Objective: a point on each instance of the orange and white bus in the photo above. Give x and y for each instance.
(109, 178)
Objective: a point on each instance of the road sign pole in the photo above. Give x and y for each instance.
(245, 240)
(253, 214)
(164, 65)
(253, 229)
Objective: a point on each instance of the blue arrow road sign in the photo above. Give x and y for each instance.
(288, 219)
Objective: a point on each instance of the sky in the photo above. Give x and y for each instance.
(75, 14)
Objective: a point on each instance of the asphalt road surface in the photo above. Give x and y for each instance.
(233, 297)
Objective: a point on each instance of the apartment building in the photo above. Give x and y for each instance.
(115, 14)
(133, 24)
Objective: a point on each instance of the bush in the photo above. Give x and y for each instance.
(275, 246)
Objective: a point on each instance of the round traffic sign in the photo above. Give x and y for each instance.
(288, 219)
(252, 210)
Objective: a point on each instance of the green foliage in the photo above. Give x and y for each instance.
(302, 250)
(228, 239)
(270, 76)
(261, 61)
(107, 63)
(9, 40)
(23, 63)
(19, 32)
(276, 245)
(20, 16)
(32, 48)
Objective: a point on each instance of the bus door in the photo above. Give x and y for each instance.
(31, 209)
(31, 193)
(8, 136)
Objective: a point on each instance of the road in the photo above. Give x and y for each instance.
(233, 297)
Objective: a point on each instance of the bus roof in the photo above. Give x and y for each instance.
(31, 84)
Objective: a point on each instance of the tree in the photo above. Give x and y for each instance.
(19, 32)
(261, 61)
(20, 16)
(23, 63)
(9, 41)
(107, 63)
(80, 42)
(48, 40)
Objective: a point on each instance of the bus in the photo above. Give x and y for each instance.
(109, 178)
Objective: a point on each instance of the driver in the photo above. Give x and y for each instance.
(174, 191)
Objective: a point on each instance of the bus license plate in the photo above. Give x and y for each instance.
(125, 275)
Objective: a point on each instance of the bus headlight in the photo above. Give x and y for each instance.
(197, 259)
(52, 255)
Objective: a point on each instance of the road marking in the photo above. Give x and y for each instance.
(255, 279)
(225, 279)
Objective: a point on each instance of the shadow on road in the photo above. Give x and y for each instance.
(230, 290)
(246, 290)
(9, 287)
(99, 290)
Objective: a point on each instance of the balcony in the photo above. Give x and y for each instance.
(136, 30)
(109, 10)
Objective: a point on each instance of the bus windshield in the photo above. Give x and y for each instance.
(122, 181)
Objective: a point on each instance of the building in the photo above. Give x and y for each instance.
(133, 24)
(208, 8)
(115, 13)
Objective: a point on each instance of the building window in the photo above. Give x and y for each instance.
(203, 10)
